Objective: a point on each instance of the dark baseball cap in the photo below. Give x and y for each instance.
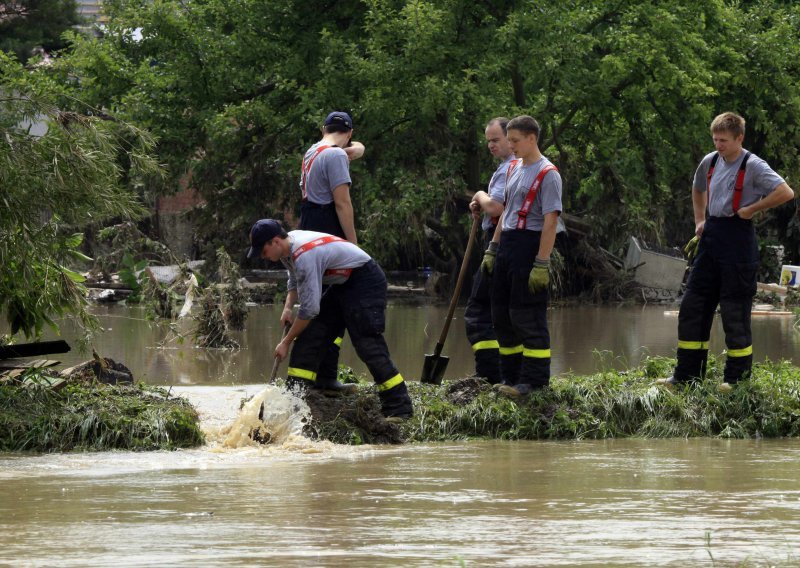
(263, 231)
(338, 117)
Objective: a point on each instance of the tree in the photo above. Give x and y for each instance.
(26, 24)
(77, 170)
(624, 92)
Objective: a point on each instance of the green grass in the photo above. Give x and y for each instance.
(613, 404)
(95, 417)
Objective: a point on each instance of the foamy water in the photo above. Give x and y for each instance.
(229, 417)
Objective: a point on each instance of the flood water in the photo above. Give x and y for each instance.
(592, 503)
(298, 502)
(584, 339)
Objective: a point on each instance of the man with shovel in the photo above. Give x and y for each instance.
(519, 258)
(478, 314)
(326, 207)
(338, 286)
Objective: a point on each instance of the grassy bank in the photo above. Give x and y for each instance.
(609, 404)
(95, 417)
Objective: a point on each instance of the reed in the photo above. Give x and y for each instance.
(94, 417)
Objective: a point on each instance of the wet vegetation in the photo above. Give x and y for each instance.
(93, 417)
(609, 404)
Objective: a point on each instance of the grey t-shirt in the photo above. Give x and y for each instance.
(759, 180)
(330, 168)
(497, 188)
(548, 198)
(307, 273)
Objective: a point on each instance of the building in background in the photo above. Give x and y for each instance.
(91, 10)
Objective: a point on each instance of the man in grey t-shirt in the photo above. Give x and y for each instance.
(327, 208)
(733, 185)
(478, 313)
(353, 297)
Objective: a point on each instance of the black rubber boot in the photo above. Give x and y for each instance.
(396, 402)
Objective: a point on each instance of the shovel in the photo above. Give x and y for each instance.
(436, 363)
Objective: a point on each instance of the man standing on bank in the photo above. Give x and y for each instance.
(519, 259)
(733, 184)
(327, 208)
(478, 314)
(338, 286)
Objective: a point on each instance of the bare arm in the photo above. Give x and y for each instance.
(548, 239)
(499, 229)
(699, 201)
(288, 305)
(344, 210)
(779, 196)
(282, 349)
(482, 202)
(354, 151)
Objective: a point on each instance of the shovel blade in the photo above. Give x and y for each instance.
(433, 369)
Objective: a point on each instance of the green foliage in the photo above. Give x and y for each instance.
(624, 92)
(27, 24)
(132, 276)
(49, 183)
(608, 404)
(95, 417)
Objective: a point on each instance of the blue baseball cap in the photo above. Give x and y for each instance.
(263, 231)
(338, 117)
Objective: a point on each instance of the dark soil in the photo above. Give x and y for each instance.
(350, 419)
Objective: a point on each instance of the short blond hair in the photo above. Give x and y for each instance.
(728, 122)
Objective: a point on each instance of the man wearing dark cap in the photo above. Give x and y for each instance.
(326, 207)
(338, 286)
(325, 180)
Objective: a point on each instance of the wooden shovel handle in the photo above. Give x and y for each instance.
(461, 274)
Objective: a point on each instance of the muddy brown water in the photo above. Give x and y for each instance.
(298, 502)
(583, 339)
(590, 503)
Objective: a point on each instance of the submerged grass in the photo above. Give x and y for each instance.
(95, 417)
(613, 404)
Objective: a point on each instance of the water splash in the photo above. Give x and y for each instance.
(284, 417)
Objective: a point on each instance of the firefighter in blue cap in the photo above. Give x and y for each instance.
(732, 184)
(326, 207)
(338, 286)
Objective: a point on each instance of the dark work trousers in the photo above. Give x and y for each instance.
(359, 305)
(724, 274)
(478, 321)
(519, 316)
(323, 218)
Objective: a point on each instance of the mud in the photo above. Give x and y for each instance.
(350, 419)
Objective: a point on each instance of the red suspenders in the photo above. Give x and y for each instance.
(323, 241)
(305, 168)
(534, 189)
(737, 189)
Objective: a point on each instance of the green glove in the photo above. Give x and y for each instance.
(539, 279)
(691, 247)
(487, 264)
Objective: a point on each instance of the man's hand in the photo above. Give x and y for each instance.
(539, 278)
(286, 317)
(745, 213)
(691, 247)
(281, 350)
(487, 264)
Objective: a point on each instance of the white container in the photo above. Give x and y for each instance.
(790, 275)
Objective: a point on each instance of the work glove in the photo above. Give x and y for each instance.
(487, 264)
(691, 247)
(539, 278)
